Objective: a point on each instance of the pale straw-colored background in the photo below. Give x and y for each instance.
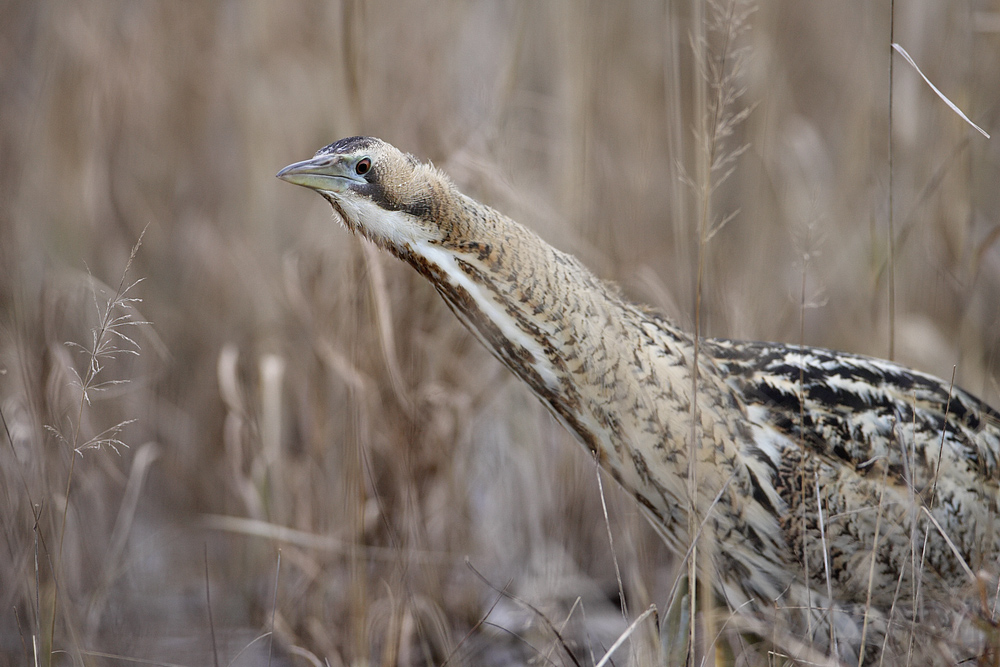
(290, 379)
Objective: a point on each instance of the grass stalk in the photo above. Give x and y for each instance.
(109, 341)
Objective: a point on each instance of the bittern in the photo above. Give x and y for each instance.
(845, 493)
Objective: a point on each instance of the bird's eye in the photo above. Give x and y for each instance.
(363, 166)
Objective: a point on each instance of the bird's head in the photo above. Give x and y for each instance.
(380, 192)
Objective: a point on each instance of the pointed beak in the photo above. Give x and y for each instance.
(325, 173)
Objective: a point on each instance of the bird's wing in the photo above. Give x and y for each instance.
(861, 410)
(869, 427)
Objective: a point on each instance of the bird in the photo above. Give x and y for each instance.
(843, 495)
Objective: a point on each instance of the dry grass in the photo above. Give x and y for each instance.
(297, 393)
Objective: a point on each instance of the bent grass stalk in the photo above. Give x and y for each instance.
(109, 340)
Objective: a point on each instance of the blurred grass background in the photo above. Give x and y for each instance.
(290, 379)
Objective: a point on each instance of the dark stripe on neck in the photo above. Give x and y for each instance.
(420, 207)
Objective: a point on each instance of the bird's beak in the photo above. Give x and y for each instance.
(324, 172)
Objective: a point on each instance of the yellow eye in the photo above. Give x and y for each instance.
(363, 166)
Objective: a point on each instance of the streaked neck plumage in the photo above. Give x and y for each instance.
(615, 374)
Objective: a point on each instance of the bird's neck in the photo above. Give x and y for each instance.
(603, 366)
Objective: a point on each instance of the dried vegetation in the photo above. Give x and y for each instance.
(298, 394)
